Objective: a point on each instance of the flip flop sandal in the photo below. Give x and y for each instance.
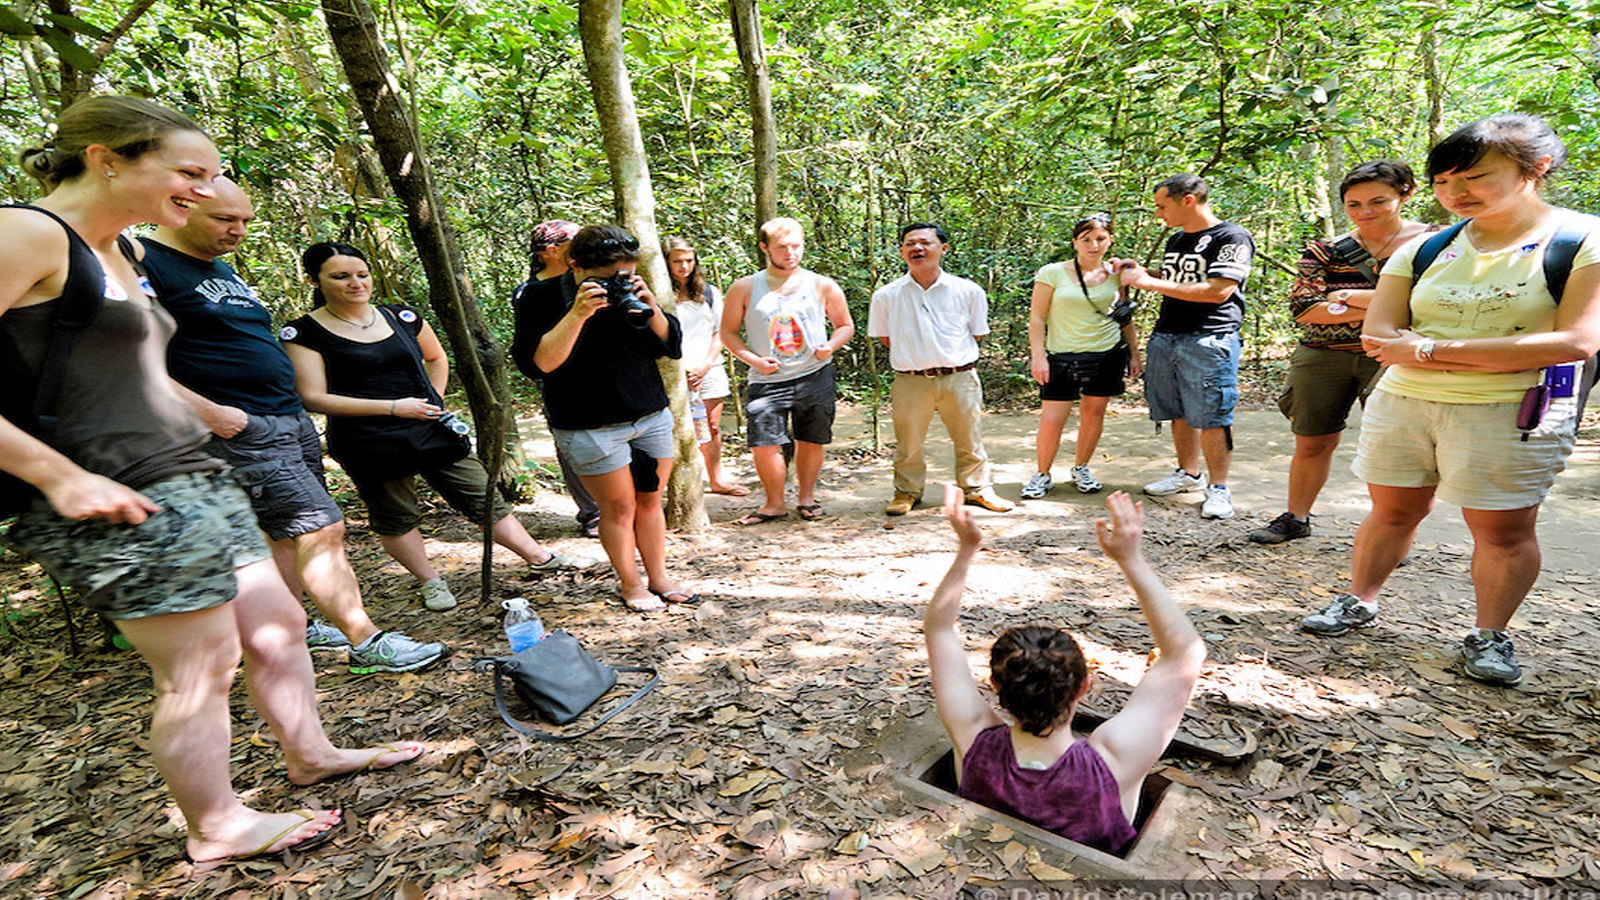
(265, 849)
(649, 606)
(811, 511)
(761, 518)
(680, 597)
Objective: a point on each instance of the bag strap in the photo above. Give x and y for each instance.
(517, 725)
(81, 298)
(1357, 256)
(1432, 247)
(414, 347)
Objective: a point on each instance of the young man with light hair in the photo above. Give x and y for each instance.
(776, 321)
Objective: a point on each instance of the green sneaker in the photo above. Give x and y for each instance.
(322, 636)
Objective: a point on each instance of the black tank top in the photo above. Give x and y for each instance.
(117, 414)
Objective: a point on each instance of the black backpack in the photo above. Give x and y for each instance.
(28, 401)
(1558, 257)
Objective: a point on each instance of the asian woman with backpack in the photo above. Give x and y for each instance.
(1478, 404)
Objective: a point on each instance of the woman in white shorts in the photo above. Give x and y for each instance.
(1474, 342)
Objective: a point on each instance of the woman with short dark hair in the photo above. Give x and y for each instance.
(592, 337)
(1328, 371)
(1479, 399)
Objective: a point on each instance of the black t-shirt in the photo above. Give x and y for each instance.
(1224, 250)
(610, 376)
(224, 350)
(378, 448)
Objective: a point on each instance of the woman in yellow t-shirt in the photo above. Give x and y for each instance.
(1078, 351)
(1462, 343)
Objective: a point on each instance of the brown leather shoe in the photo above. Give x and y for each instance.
(989, 500)
(901, 504)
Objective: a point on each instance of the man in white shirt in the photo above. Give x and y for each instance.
(931, 321)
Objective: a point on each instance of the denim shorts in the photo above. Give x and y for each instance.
(1471, 453)
(807, 402)
(278, 462)
(1193, 377)
(180, 559)
(596, 451)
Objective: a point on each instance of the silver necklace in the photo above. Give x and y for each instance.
(373, 321)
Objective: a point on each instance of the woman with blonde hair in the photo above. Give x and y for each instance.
(130, 511)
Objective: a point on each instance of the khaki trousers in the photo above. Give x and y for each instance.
(958, 399)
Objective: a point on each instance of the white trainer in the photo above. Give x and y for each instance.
(1176, 483)
(1219, 504)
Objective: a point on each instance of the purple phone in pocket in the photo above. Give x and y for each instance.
(1534, 403)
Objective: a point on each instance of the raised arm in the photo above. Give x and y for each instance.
(962, 707)
(1134, 739)
(556, 344)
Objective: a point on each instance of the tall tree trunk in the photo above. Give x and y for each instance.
(1430, 79)
(746, 16)
(480, 363)
(600, 24)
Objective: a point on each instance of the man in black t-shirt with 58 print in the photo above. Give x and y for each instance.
(1191, 371)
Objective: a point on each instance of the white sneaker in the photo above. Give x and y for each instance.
(436, 595)
(1037, 486)
(1176, 483)
(1085, 480)
(1218, 505)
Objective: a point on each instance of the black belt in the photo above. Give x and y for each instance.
(942, 370)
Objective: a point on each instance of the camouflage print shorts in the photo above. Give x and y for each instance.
(180, 559)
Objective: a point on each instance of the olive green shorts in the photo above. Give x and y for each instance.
(180, 559)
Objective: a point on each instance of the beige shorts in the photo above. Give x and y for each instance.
(1471, 452)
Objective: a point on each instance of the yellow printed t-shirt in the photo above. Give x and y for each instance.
(1467, 294)
(1073, 325)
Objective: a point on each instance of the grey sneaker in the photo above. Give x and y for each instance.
(1341, 614)
(1037, 486)
(436, 595)
(1284, 528)
(1176, 483)
(322, 636)
(1219, 503)
(1085, 480)
(1487, 656)
(391, 651)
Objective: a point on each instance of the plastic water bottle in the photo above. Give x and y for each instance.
(523, 628)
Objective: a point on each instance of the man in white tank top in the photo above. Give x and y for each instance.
(777, 322)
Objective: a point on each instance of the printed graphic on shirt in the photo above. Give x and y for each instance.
(787, 335)
(289, 332)
(231, 291)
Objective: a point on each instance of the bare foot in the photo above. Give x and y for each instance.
(349, 762)
(259, 834)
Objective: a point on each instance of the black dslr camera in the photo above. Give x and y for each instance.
(620, 296)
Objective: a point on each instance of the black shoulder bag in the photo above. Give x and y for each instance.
(559, 680)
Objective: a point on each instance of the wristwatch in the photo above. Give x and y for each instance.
(1337, 306)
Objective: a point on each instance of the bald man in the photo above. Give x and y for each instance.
(229, 366)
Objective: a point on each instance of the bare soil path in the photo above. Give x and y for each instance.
(756, 770)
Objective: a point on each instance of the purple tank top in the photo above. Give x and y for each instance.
(1076, 798)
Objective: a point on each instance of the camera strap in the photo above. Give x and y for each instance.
(1083, 285)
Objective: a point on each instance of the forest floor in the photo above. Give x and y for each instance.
(760, 766)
